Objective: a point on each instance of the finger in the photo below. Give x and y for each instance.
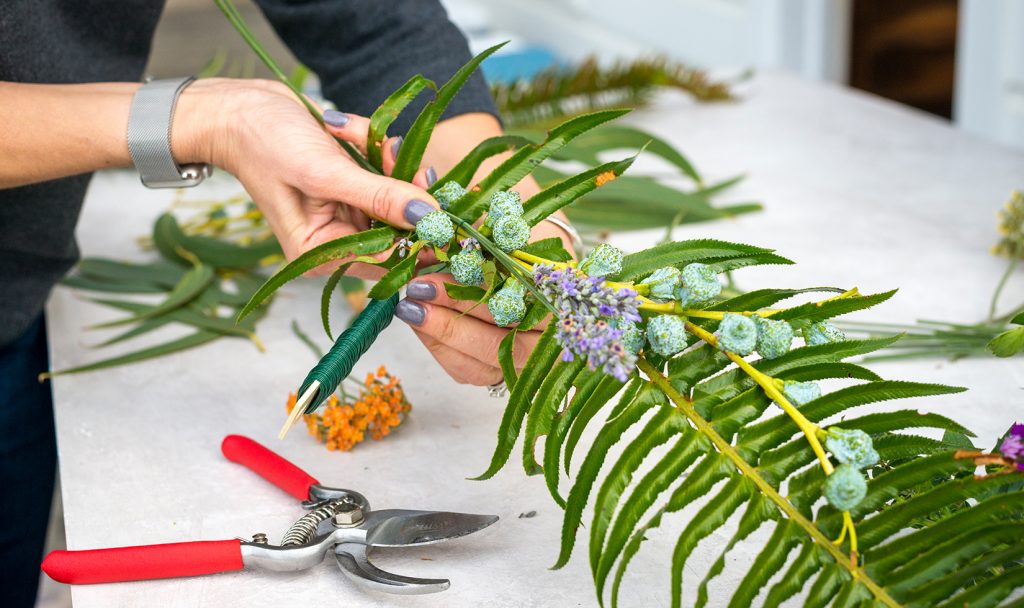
(430, 288)
(425, 177)
(461, 367)
(389, 152)
(470, 336)
(352, 128)
(397, 203)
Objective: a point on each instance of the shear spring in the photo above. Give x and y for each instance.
(302, 531)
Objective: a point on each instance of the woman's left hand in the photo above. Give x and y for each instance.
(466, 345)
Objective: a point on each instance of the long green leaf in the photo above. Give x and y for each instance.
(190, 341)
(386, 114)
(168, 238)
(556, 196)
(367, 242)
(410, 155)
(192, 283)
(537, 366)
(523, 161)
(463, 171)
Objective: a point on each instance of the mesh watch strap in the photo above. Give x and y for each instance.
(149, 136)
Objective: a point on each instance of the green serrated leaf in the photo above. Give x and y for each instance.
(410, 156)
(524, 160)
(558, 195)
(386, 114)
(402, 272)
(367, 242)
(537, 366)
(463, 172)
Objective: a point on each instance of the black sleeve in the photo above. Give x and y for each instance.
(363, 50)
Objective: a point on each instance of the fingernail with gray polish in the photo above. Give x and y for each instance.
(431, 176)
(421, 290)
(410, 312)
(395, 145)
(416, 209)
(335, 118)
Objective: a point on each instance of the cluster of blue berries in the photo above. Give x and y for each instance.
(742, 335)
(694, 284)
(853, 448)
(467, 266)
(505, 219)
(508, 306)
(603, 261)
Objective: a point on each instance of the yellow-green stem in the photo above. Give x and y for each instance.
(809, 429)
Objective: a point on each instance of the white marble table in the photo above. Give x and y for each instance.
(859, 191)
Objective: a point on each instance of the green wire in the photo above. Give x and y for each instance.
(337, 364)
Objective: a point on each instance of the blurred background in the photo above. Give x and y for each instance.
(961, 60)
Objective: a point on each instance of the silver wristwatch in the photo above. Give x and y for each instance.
(149, 137)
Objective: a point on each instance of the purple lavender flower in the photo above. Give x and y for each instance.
(585, 307)
(1013, 446)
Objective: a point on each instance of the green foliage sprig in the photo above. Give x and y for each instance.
(561, 91)
(860, 514)
(205, 266)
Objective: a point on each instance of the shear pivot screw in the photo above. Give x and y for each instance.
(350, 517)
(260, 538)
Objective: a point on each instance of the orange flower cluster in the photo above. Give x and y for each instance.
(381, 406)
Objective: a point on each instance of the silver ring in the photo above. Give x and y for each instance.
(498, 389)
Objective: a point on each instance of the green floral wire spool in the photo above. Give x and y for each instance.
(337, 364)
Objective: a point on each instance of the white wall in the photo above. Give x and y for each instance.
(989, 98)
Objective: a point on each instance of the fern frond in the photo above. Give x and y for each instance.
(915, 539)
(562, 91)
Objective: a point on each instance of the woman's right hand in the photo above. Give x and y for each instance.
(309, 190)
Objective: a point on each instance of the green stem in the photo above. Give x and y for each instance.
(235, 18)
(999, 288)
(783, 504)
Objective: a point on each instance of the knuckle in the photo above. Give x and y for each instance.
(448, 332)
(380, 201)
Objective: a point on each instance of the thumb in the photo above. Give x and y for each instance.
(397, 203)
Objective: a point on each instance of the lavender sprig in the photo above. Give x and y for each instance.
(585, 307)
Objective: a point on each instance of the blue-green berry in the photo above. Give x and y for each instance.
(663, 282)
(666, 334)
(800, 393)
(511, 233)
(737, 334)
(773, 338)
(449, 194)
(853, 447)
(699, 283)
(435, 228)
(603, 261)
(508, 306)
(845, 487)
(822, 333)
(632, 337)
(503, 204)
(467, 266)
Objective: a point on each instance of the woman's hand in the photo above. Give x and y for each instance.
(309, 190)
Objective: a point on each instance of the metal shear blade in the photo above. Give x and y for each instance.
(355, 563)
(403, 527)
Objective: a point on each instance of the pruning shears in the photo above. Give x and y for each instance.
(338, 520)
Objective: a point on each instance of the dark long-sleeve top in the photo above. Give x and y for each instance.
(362, 50)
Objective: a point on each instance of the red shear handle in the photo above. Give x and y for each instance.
(268, 465)
(143, 562)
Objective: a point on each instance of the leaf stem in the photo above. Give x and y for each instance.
(809, 429)
(999, 288)
(725, 448)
